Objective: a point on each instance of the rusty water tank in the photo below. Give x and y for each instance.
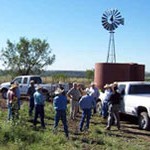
(111, 72)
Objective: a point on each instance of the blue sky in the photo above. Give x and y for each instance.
(74, 31)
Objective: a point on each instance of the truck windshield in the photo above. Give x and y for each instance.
(37, 80)
(139, 89)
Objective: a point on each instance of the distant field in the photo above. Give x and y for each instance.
(49, 79)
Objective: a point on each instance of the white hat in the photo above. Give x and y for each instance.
(32, 81)
(93, 83)
(87, 91)
(38, 87)
(107, 86)
(58, 91)
(13, 86)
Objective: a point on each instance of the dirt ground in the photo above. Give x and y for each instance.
(129, 125)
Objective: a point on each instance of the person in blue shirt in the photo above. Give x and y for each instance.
(105, 103)
(39, 106)
(60, 106)
(86, 103)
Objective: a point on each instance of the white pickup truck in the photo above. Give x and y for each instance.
(24, 83)
(136, 101)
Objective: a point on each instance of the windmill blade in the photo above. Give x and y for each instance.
(118, 17)
(115, 25)
(104, 15)
(104, 18)
(121, 21)
(107, 26)
(117, 22)
(116, 12)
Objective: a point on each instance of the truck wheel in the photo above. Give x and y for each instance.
(144, 121)
(4, 93)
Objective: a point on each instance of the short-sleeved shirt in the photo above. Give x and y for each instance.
(38, 98)
(75, 93)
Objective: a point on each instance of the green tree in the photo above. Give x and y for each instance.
(90, 74)
(27, 56)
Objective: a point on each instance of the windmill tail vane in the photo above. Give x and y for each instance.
(121, 21)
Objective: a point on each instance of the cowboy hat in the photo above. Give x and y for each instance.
(87, 91)
(106, 86)
(13, 86)
(32, 81)
(38, 88)
(58, 91)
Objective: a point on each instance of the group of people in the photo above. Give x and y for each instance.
(85, 99)
(36, 102)
(79, 98)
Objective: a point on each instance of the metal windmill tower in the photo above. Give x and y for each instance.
(111, 19)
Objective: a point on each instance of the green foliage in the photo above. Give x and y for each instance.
(27, 56)
(90, 74)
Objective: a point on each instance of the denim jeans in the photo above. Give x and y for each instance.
(113, 114)
(39, 110)
(61, 114)
(105, 109)
(86, 114)
(9, 106)
(31, 106)
(13, 112)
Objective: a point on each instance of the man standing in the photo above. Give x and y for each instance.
(114, 106)
(105, 102)
(95, 93)
(18, 95)
(74, 96)
(12, 102)
(60, 106)
(30, 93)
(39, 106)
(86, 102)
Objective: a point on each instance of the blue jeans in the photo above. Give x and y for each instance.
(9, 111)
(13, 112)
(39, 110)
(61, 114)
(105, 109)
(86, 113)
(31, 106)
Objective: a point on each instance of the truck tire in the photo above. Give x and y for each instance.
(4, 93)
(144, 121)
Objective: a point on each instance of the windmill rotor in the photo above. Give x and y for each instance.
(111, 19)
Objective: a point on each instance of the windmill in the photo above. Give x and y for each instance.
(111, 19)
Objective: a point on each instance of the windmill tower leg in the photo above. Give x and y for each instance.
(111, 55)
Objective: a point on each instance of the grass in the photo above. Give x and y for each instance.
(21, 135)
